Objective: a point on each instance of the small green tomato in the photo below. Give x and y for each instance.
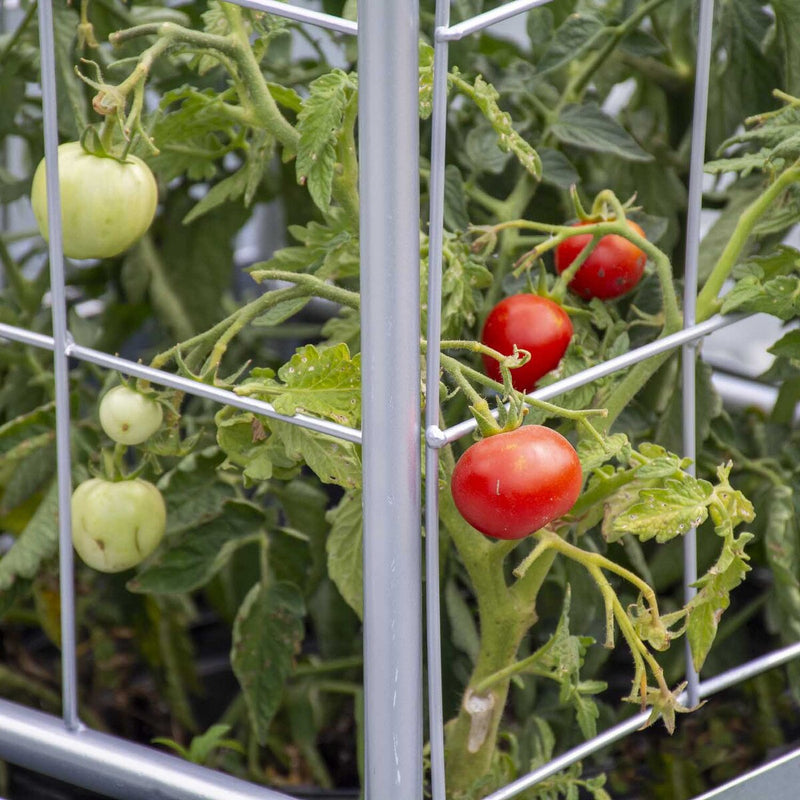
(115, 526)
(129, 417)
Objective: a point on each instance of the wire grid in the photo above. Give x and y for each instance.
(393, 643)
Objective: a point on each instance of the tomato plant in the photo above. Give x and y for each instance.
(612, 269)
(106, 205)
(116, 524)
(511, 484)
(243, 123)
(533, 323)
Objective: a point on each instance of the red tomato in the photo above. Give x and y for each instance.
(614, 267)
(532, 323)
(512, 484)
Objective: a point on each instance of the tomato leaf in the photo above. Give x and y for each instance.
(191, 132)
(593, 454)
(191, 558)
(322, 382)
(590, 128)
(463, 628)
(345, 551)
(332, 460)
(267, 633)
(572, 38)
(713, 596)
(787, 33)
(508, 139)
(456, 216)
(557, 169)
(194, 494)
(330, 251)
(665, 512)
(778, 296)
(70, 91)
(425, 80)
(318, 124)
(37, 543)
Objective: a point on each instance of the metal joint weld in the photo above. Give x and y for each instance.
(435, 437)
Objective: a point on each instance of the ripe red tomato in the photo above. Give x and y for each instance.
(532, 323)
(512, 484)
(612, 269)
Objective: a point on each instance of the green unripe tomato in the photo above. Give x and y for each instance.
(106, 205)
(115, 526)
(129, 417)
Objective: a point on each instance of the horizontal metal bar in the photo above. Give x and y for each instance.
(485, 20)
(26, 337)
(439, 438)
(112, 766)
(706, 688)
(298, 14)
(162, 378)
(777, 780)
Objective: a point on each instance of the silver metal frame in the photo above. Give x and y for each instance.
(389, 155)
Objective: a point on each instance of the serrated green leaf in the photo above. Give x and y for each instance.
(267, 634)
(70, 90)
(345, 550)
(464, 631)
(30, 474)
(228, 189)
(38, 542)
(482, 151)
(788, 346)
(191, 131)
(666, 512)
(318, 124)
(787, 34)
(508, 138)
(332, 460)
(425, 80)
(190, 559)
(590, 128)
(743, 164)
(324, 382)
(778, 296)
(572, 38)
(194, 494)
(456, 217)
(713, 596)
(330, 251)
(594, 454)
(557, 169)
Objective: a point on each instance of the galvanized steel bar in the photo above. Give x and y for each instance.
(300, 14)
(440, 438)
(61, 338)
(388, 67)
(706, 689)
(485, 20)
(432, 408)
(110, 765)
(187, 385)
(689, 399)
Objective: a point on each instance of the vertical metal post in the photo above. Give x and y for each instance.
(389, 231)
(61, 341)
(689, 354)
(433, 361)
